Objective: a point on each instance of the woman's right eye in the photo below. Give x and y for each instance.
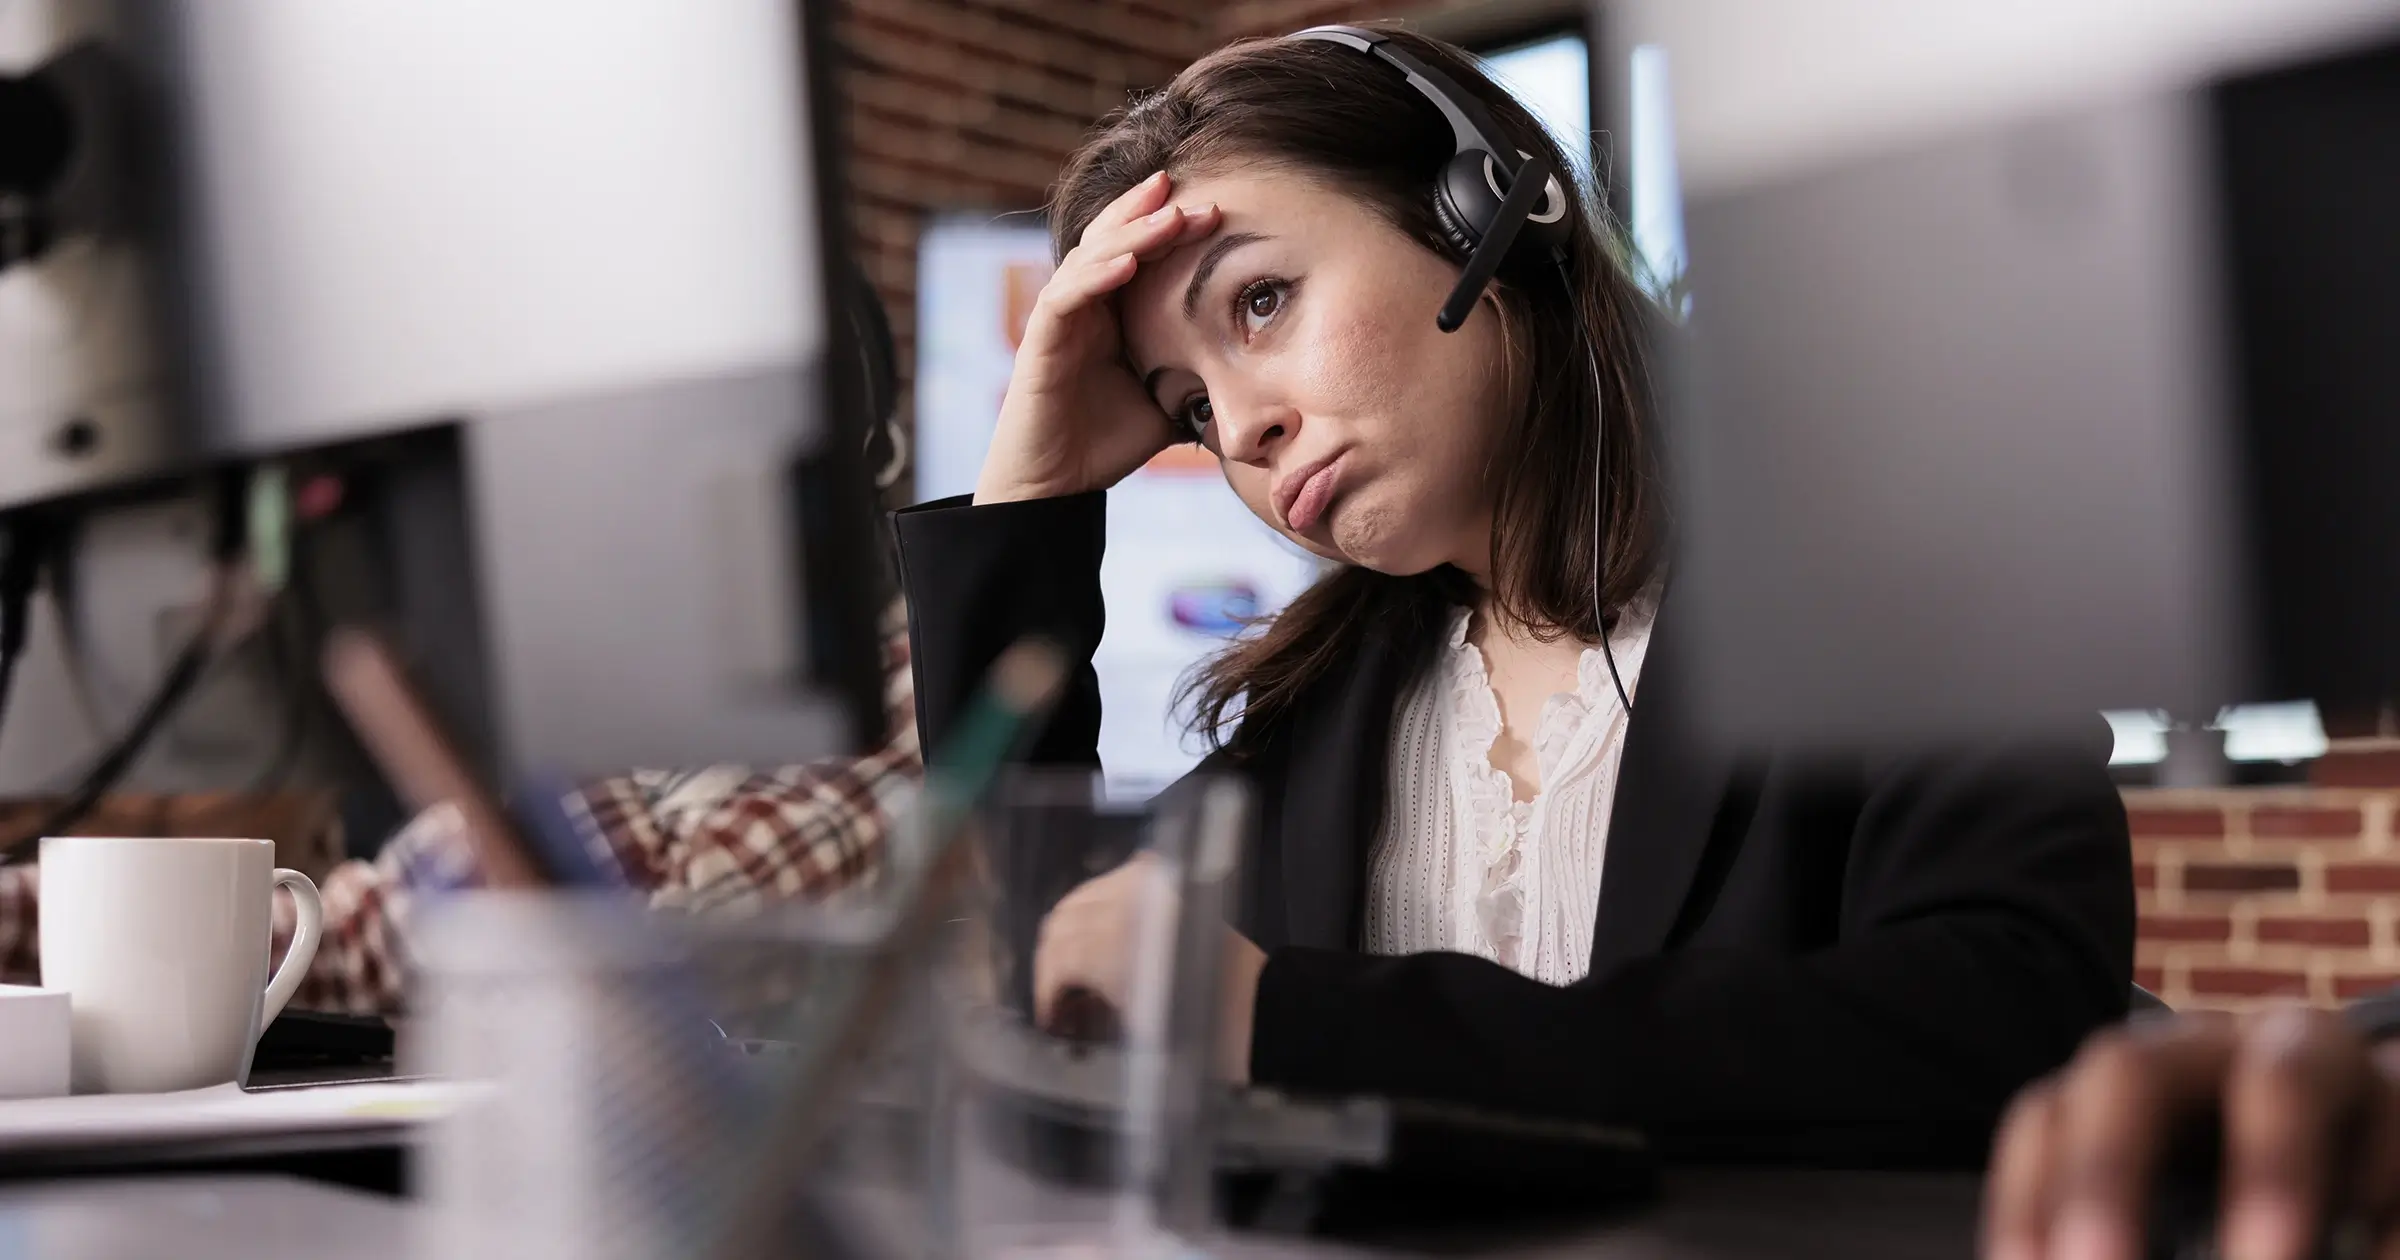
(1196, 416)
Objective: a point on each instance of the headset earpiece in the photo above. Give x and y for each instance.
(1458, 229)
(1471, 199)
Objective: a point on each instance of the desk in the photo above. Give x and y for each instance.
(274, 1129)
(1783, 1215)
(200, 1218)
(1715, 1214)
(1748, 1215)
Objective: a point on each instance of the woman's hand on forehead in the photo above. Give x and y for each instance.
(1076, 418)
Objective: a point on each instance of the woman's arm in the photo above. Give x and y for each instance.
(980, 577)
(1986, 926)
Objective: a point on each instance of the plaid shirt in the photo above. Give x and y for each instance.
(719, 837)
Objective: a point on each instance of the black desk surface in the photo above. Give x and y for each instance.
(1784, 1214)
(1708, 1217)
(1711, 1216)
(1716, 1214)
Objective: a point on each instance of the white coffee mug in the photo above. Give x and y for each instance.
(162, 946)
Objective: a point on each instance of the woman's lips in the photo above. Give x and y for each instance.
(1315, 492)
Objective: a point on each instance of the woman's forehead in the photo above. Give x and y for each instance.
(1280, 207)
(1257, 188)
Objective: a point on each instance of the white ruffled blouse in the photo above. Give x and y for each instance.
(1461, 864)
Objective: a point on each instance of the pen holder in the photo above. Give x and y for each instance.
(633, 1058)
(1077, 1123)
(612, 1109)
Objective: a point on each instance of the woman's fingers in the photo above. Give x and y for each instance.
(1191, 223)
(1105, 262)
(1104, 239)
(1085, 940)
(1051, 968)
(1075, 964)
(1129, 205)
(1070, 950)
(1079, 281)
(1150, 237)
(2295, 1081)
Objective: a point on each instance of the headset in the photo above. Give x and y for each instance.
(1484, 201)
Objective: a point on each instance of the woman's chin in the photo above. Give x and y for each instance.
(1369, 548)
(1356, 534)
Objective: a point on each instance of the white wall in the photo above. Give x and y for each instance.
(1764, 86)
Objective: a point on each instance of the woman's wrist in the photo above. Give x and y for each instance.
(1002, 488)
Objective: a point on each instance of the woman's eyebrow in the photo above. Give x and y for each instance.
(1218, 248)
(1209, 258)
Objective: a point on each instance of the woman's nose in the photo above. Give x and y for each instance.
(1250, 433)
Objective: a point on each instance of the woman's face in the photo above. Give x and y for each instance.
(1297, 342)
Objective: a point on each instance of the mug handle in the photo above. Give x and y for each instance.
(304, 943)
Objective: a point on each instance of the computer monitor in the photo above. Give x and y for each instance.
(594, 242)
(2037, 360)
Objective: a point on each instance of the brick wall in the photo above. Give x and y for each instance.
(973, 104)
(2256, 895)
(1237, 18)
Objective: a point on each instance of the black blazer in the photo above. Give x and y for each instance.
(1840, 960)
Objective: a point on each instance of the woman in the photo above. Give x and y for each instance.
(1478, 875)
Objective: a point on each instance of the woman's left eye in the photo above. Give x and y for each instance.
(1259, 302)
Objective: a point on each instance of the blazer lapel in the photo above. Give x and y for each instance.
(1334, 800)
(1670, 787)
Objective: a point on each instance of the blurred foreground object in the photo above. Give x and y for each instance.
(90, 396)
(2277, 1137)
(2039, 361)
(615, 1112)
(587, 248)
(630, 1111)
(1117, 1102)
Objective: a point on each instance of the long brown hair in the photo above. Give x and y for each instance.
(1330, 112)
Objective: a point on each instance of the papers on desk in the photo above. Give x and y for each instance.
(29, 1126)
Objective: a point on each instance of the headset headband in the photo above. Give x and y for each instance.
(1471, 125)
